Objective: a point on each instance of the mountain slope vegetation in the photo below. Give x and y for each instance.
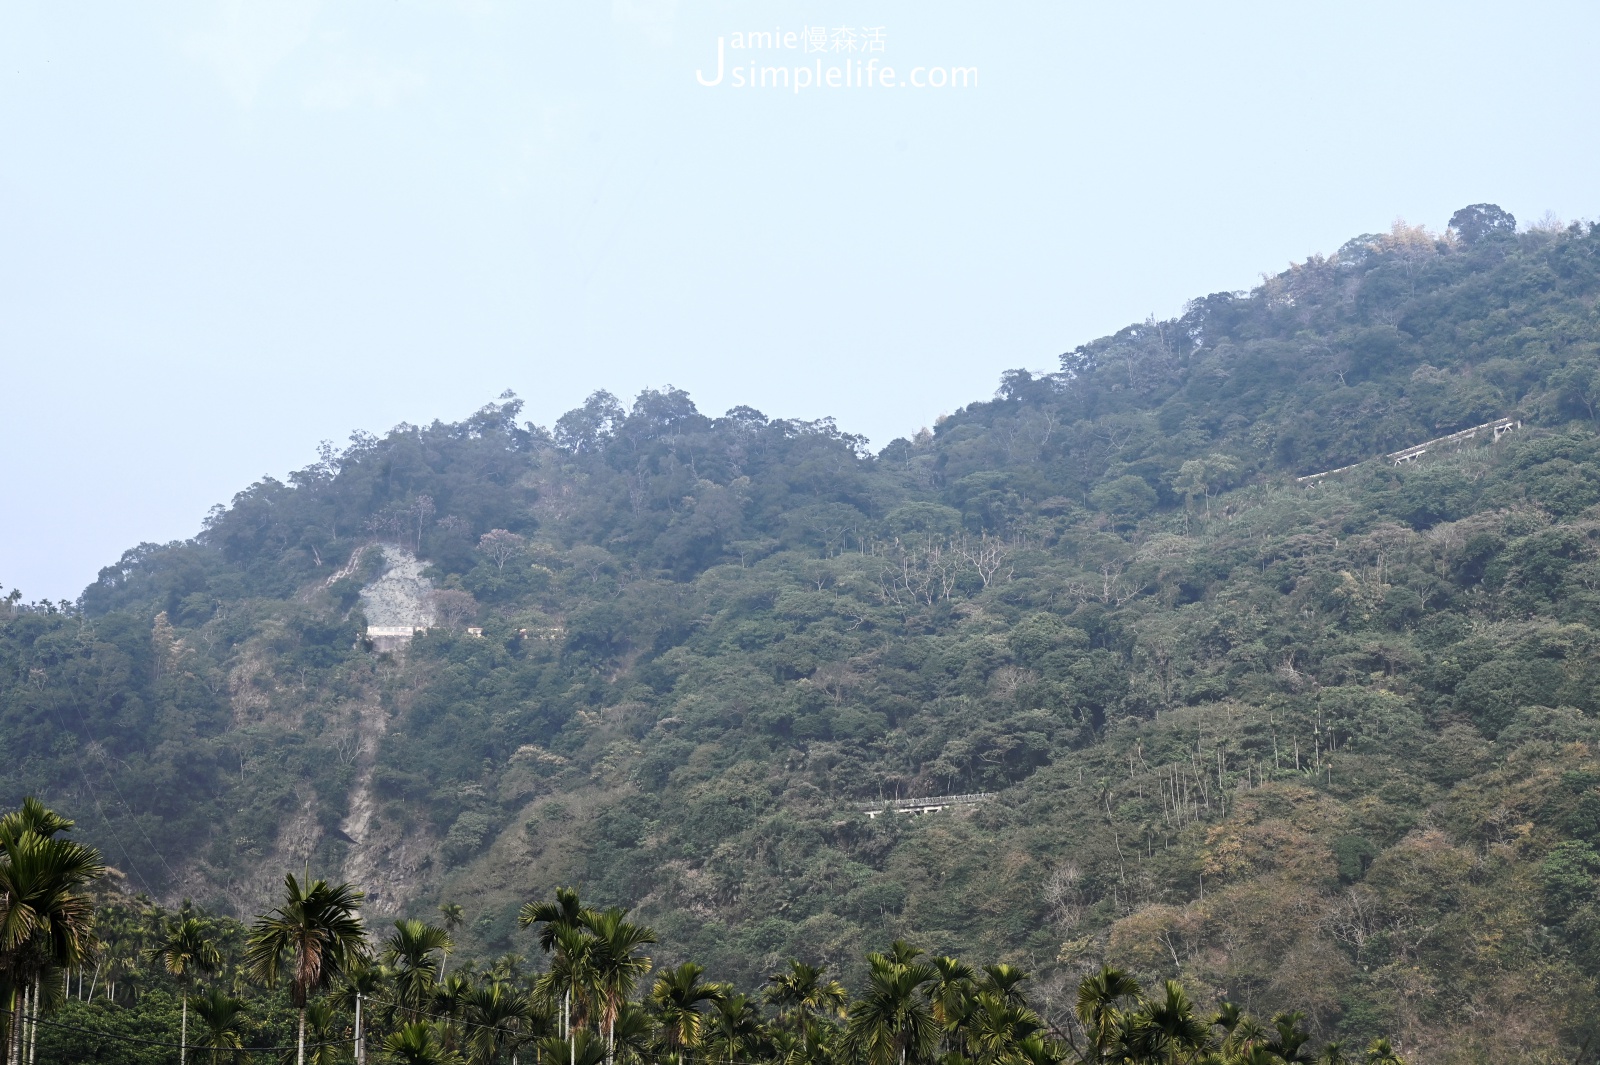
(1332, 749)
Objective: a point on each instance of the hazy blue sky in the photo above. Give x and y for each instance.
(229, 231)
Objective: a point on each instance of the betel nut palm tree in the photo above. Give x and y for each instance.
(571, 981)
(46, 918)
(634, 1035)
(567, 911)
(220, 1017)
(418, 1043)
(184, 950)
(616, 964)
(33, 816)
(497, 1017)
(454, 918)
(733, 1028)
(892, 1022)
(1165, 1029)
(1380, 1052)
(951, 997)
(997, 1028)
(581, 1048)
(801, 993)
(566, 914)
(1099, 1009)
(410, 951)
(676, 998)
(314, 935)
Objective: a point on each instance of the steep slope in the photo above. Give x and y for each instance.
(1331, 747)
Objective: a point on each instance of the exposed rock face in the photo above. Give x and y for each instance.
(387, 861)
(397, 603)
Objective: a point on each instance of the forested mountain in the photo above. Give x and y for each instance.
(1327, 747)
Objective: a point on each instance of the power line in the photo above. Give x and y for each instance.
(18, 1014)
(19, 1017)
(126, 805)
(435, 1017)
(447, 1019)
(95, 798)
(135, 819)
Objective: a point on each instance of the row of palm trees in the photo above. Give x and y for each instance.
(590, 1003)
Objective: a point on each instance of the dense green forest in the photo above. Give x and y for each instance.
(1329, 749)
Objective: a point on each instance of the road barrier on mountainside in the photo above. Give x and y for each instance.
(931, 804)
(1499, 427)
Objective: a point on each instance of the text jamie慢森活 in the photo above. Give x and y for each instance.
(851, 63)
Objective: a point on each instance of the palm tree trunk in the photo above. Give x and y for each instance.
(30, 1006)
(13, 1033)
(33, 1026)
(361, 1050)
(300, 1052)
(183, 1031)
(19, 1024)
